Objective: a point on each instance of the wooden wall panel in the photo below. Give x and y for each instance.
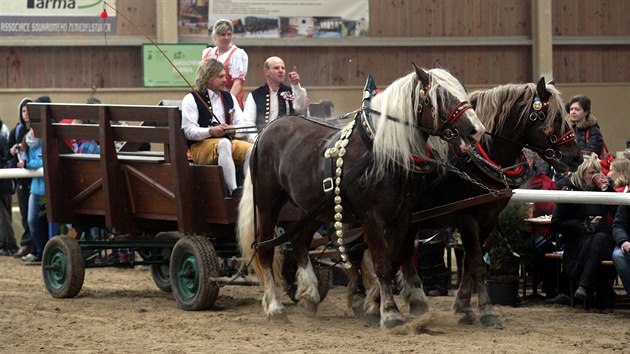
(349, 66)
(591, 64)
(426, 18)
(69, 67)
(591, 17)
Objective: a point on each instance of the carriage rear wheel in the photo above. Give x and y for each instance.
(324, 276)
(63, 267)
(193, 262)
(160, 272)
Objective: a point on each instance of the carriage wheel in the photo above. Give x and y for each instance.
(63, 267)
(289, 267)
(160, 272)
(193, 261)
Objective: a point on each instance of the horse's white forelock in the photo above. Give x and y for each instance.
(396, 142)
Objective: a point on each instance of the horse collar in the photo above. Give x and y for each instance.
(506, 177)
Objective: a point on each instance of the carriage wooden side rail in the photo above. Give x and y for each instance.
(128, 191)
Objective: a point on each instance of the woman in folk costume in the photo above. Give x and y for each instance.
(234, 59)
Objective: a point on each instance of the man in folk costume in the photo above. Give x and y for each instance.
(274, 99)
(209, 116)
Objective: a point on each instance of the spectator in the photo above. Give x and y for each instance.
(587, 236)
(620, 174)
(8, 245)
(273, 99)
(208, 128)
(22, 185)
(234, 59)
(621, 253)
(542, 243)
(430, 246)
(37, 223)
(585, 125)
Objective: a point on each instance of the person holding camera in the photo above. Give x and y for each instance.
(587, 235)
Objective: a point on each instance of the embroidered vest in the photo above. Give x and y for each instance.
(205, 117)
(263, 102)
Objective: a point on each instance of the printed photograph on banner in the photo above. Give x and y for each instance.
(193, 18)
(277, 19)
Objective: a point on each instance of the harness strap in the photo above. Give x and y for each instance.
(317, 209)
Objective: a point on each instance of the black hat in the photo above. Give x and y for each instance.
(43, 99)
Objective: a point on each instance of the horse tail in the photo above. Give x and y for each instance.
(246, 234)
(245, 230)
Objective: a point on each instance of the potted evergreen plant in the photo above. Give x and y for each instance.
(505, 245)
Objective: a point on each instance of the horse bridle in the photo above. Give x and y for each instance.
(447, 130)
(551, 150)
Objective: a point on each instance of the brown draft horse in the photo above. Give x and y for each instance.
(515, 116)
(288, 165)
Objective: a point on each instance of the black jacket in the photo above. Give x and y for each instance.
(620, 225)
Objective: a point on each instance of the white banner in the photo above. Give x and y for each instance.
(55, 17)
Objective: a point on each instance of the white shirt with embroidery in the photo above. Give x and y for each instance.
(237, 67)
(300, 104)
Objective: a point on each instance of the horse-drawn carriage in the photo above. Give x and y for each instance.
(373, 171)
(176, 217)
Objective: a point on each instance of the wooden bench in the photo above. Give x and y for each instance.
(130, 191)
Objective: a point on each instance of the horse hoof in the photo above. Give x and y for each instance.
(418, 308)
(356, 304)
(278, 317)
(469, 318)
(308, 308)
(372, 320)
(491, 321)
(393, 322)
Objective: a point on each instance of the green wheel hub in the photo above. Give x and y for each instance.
(188, 275)
(56, 269)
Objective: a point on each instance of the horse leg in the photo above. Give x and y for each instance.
(412, 290)
(487, 312)
(462, 299)
(307, 292)
(273, 307)
(355, 294)
(390, 315)
(372, 301)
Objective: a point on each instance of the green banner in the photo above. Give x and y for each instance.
(158, 72)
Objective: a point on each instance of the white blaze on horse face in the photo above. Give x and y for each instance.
(479, 128)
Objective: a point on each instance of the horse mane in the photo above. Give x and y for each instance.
(396, 143)
(493, 106)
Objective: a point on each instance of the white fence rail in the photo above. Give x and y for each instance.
(7, 173)
(571, 197)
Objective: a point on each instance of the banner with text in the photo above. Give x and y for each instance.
(276, 19)
(55, 18)
(158, 72)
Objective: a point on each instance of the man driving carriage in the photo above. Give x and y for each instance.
(209, 116)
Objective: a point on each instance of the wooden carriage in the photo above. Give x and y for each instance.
(175, 216)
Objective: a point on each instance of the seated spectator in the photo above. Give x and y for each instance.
(621, 253)
(620, 174)
(587, 236)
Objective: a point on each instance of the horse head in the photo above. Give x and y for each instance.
(450, 115)
(557, 144)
